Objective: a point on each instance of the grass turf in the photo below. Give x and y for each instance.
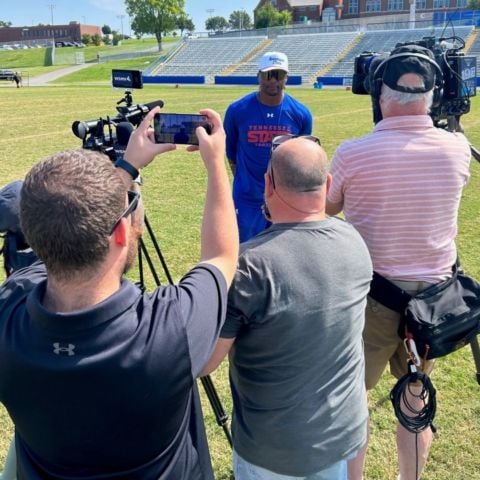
(36, 122)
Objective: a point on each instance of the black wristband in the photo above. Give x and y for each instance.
(128, 167)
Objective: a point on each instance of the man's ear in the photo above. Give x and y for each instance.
(120, 234)
(328, 183)
(268, 184)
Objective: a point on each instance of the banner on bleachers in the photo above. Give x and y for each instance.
(196, 79)
(250, 80)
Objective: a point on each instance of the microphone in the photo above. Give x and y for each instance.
(135, 113)
(155, 103)
(123, 130)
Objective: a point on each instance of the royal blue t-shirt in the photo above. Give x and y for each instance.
(109, 392)
(250, 126)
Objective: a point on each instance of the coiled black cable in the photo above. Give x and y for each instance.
(413, 419)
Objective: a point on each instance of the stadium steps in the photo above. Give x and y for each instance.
(164, 59)
(263, 46)
(470, 40)
(324, 71)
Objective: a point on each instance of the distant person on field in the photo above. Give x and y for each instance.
(294, 329)
(250, 124)
(17, 79)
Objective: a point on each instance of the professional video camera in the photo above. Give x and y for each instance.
(110, 135)
(457, 82)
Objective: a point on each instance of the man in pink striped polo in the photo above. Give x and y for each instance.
(400, 186)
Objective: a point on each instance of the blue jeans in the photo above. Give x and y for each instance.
(10, 467)
(244, 470)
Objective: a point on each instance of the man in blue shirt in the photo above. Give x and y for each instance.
(250, 124)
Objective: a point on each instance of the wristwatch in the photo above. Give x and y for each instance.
(128, 167)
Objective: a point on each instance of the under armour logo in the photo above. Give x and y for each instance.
(67, 348)
(270, 115)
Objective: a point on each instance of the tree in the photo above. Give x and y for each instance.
(5, 24)
(185, 23)
(216, 23)
(474, 4)
(86, 38)
(240, 20)
(96, 39)
(284, 17)
(269, 16)
(106, 30)
(155, 16)
(116, 37)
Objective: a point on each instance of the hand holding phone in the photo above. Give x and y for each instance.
(179, 128)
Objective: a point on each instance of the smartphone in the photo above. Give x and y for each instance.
(178, 127)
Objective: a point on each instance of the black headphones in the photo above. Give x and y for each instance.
(375, 79)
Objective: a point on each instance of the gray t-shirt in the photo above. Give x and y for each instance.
(296, 308)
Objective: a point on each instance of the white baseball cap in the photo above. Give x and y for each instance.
(273, 61)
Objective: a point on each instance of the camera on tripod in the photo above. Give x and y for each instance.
(456, 85)
(110, 135)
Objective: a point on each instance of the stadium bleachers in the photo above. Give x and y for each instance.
(384, 42)
(307, 54)
(209, 56)
(331, 54)
(475, 49)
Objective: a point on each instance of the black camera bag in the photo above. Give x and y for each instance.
(441, 318)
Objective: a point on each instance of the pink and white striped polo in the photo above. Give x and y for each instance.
(401, 187)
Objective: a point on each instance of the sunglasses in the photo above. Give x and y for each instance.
(278, 140)
(133, 198)
(278, 75)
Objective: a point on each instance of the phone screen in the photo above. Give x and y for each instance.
(178, 127)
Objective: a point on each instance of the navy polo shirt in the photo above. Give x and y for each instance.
(109, 392)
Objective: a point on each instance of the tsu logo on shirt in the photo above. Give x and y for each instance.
(63, 349)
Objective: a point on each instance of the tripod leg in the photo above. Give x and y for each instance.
(144, 250)
(476, 356)
(220, 415)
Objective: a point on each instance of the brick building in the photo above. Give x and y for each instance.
(312, 10)
(39, 34)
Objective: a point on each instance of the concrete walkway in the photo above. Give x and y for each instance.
(48, 77)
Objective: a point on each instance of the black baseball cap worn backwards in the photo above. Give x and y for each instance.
(410, 59)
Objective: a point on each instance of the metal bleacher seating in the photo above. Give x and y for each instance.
(474, 49)
(307, 53)
(208, 56)
(385, 41)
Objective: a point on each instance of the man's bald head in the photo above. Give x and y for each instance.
(299, 165)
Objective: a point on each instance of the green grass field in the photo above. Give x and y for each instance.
(36, 122)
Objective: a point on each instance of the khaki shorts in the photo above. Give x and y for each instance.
(382, 343)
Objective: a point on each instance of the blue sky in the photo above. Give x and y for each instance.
(106, 12)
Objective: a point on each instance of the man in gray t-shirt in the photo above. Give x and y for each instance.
(294, 329)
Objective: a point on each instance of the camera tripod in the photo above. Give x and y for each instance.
(221, 416)
(452, 124)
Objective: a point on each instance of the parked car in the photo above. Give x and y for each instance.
(6, 74)
(63, 44)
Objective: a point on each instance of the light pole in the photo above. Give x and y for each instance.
(51, 6)
(210, 12)
(121, 17)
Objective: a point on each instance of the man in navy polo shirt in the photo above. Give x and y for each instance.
(98, 378)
